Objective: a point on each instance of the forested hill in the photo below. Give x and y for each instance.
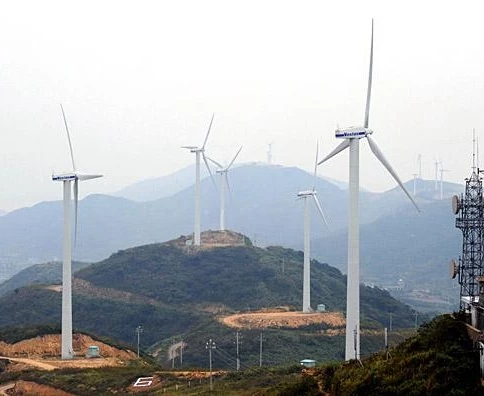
(239, 277)
(174, 290)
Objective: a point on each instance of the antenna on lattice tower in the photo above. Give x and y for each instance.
(473, 150)
(414, 183)
(468, 209)
(477, 153)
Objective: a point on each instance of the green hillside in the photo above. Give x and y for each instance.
(175, 292)
(439, 360)
(240, 277)
(46, 273)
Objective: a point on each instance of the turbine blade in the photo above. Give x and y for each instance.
(316, 166)
(233, 159)
(378, 154)
(320, 210)
(370, 74)
(228, 184)
(208, 132)
(68, 138)
(76, 202)
(344, 144)
(209, 170)
(82, 176)
(214, 162)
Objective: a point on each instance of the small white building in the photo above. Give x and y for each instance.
(321, 308)
(308, 363)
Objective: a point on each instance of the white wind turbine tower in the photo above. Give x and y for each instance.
(419, 162)
(199, 150)
(67, 351)
(442, 170)
(269, 153)
(307, 195)
(352, 136)
(224, 184)
(436, 163)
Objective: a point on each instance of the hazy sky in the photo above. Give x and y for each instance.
(139, 79)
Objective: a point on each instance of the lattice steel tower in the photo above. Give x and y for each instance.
(470, 220)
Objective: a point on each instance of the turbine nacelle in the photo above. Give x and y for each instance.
(353, 133)
(307, 193)
(72, 176)
(194, 149)
(65, 177)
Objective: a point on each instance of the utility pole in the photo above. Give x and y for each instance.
(238, 357)
(138, 330)
(210, 345)
(173, 354)
(260, 350)
(387, 350)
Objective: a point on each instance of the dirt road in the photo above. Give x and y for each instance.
(31, 362)
(5, 387)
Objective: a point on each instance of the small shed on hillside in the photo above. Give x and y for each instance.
(93, 352)
(308, 363)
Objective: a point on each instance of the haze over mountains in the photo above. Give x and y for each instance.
(396, 240)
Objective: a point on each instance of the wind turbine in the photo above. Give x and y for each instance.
(269, 153)
(224, 183)
(199, 151)
(352, 136)
(419, 161)
(436, 163)
(67, 351)
(442, 170)
(307, 195)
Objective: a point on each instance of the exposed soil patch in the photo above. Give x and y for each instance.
(210, 239)
(32, 388)
(43, 352)
(292, 320)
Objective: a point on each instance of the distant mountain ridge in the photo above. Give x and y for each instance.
(160, 187)
(262, 205)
